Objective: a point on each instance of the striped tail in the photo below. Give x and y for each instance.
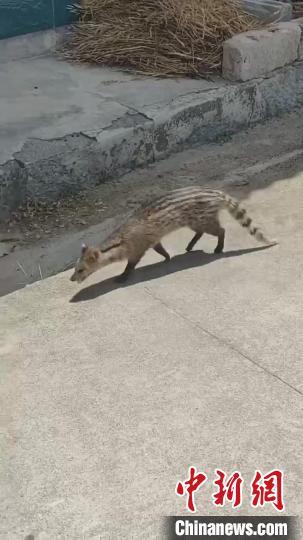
(240, 214)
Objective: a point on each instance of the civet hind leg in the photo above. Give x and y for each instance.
(214, 228)
(162, 251)
(193, 241)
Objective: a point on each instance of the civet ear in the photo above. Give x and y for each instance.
(83, 248)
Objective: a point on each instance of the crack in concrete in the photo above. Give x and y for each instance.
(133, 109)
(125, 105)
(223, 342)
(253, 108)
(62, 138)
(159, 104)
(128, 120)
(19, 162)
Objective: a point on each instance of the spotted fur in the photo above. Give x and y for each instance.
(191, 207)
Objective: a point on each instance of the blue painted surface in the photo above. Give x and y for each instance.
(23, 16)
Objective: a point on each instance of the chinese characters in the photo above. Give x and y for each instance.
(264, 489)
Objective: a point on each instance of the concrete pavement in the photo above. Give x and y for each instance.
(110, 393)
(66, 127)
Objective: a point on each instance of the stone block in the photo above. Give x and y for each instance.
(256, 53)
(299, 21)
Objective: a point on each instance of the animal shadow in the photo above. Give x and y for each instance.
(156, 270)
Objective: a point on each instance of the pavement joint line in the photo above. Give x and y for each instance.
(262, 166)
(223, 342)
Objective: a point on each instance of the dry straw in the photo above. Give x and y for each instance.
(157, 37)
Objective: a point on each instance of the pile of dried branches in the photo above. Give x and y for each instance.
(157, 37)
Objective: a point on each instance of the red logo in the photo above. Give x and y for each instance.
(268, 489)
(193, 483)
(229, 489)
(264, 489)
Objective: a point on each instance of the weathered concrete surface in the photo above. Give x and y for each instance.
(299, 21)
(29, 45)
(257, 53)
(106, 400)
(71, 127)
(270, 151)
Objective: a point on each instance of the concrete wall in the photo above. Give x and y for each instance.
(23, 16)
